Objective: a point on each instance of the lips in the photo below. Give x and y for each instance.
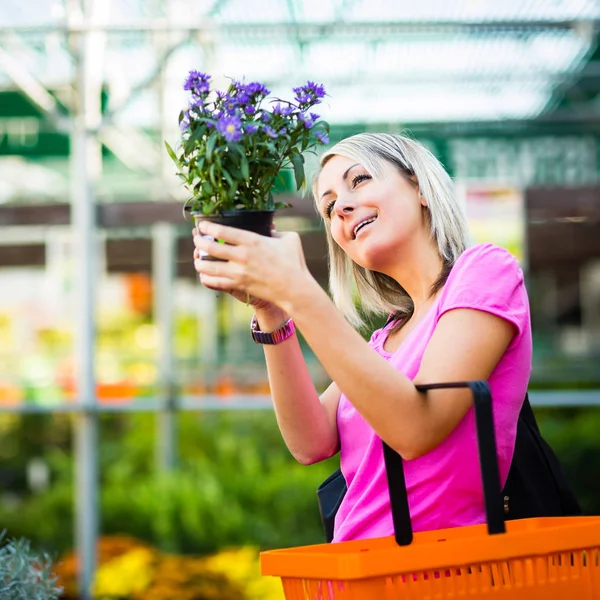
(361, 224)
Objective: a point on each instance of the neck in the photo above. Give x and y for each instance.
(419, 269)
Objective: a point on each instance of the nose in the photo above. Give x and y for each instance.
(344, 206)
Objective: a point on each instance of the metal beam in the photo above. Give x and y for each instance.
(317, 31)
(143, 85)
(561, 91)
(391, 79)
(33, 89)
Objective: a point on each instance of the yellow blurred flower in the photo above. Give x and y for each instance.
(241, 565)
(125, 575)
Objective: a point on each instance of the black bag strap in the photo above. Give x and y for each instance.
(490, 474)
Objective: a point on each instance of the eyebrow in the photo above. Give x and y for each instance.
(344, 177)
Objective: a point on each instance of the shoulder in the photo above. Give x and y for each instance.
(487, 277)
(486, 258)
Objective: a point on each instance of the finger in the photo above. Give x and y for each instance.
(231, 235)
(213, 248)
(213, 282)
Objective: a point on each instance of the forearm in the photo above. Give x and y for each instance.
(386, 398)
(307, 430)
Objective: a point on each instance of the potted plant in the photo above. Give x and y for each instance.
(234, 145)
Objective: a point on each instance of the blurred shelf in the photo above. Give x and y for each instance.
(205, 402)
(540, 398)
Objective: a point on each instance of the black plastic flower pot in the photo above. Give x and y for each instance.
(257, 221)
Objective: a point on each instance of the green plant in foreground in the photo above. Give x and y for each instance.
(25, 575)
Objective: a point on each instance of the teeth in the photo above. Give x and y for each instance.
(362, 224)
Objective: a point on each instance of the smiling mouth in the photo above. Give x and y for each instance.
(361, 225)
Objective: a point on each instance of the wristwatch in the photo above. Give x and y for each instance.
(282, 333)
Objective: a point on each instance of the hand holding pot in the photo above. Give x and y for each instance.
(269, 269)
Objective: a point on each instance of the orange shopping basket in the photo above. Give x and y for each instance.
(547, 558)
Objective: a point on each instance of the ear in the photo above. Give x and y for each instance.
(422, 199)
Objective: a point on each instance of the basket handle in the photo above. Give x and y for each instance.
(488, 461)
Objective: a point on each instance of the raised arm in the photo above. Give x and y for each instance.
(466, 345)
(307, 422)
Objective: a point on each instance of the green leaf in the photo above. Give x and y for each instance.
(298, 164)
(173, 155)
(207, 188)
(192, 141)
(227, 177)
(245, 168)
(235, 172)
(211, 174)
(210, 146)
(324, 125)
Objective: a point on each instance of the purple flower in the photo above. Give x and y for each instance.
(270, 131)
(197, 107)
(249, 110)
(316, 89)
(303, 99)
(309, 94)
(308, 121)
(322, 137)
(250, 128)
(230, 104)
(255, 89)
(230, 127)
(243, 98)
(284, 111)
(184, 124)
(197, 83)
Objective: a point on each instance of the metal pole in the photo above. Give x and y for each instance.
(163, 261)
(86, 426)
(86, 165)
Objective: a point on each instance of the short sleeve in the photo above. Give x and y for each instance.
(488, 278)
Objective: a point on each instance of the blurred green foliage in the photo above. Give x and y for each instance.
(236, 483)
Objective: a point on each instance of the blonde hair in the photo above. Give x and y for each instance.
(378, 293)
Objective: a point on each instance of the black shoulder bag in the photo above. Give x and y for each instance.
(535, 487)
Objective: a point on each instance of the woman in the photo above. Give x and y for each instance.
(397, 241)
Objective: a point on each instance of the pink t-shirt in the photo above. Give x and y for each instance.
(444, 485)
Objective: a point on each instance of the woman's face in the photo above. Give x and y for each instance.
(370, 219)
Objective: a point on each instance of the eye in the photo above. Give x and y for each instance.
(359, 178)
(329, 208)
